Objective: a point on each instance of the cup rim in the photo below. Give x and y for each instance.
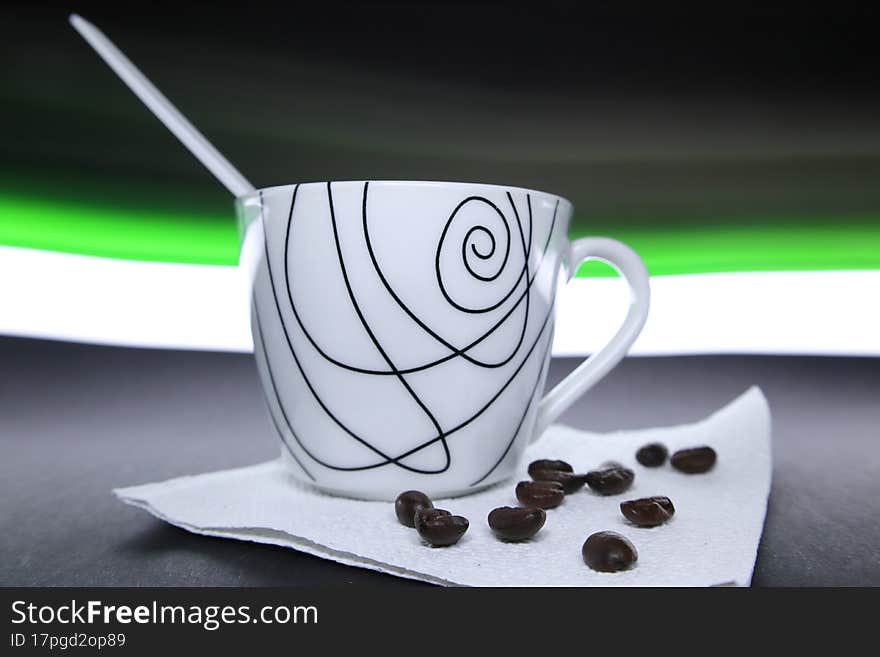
(528, 190)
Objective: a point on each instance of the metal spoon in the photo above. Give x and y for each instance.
(159, 105)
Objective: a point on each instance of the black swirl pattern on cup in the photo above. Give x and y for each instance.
(469, 248)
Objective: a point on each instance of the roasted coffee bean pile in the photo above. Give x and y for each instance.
(552, 480)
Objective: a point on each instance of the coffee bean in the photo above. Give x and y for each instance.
(652, 455)
(607, 465)
(542, 494)
(548, 464)
(648, 511)
(406, 505)
(609, 552)
(694, 460)
(514, 523)
(611, 481)
(439, 527)
(571, 483)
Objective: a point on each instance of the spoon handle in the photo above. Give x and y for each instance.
(176, 122)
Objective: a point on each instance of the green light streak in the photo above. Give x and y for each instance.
(128, 234)
(780, 244)
(833, 244)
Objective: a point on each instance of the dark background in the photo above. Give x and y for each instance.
(637, 111)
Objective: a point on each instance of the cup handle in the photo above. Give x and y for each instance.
(588, 373)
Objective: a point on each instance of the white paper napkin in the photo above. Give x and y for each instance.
(712, 539)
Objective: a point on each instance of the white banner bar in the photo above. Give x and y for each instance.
(175, 306)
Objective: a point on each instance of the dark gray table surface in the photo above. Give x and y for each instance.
(78, 420)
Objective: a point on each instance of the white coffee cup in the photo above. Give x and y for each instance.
(402, 329)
